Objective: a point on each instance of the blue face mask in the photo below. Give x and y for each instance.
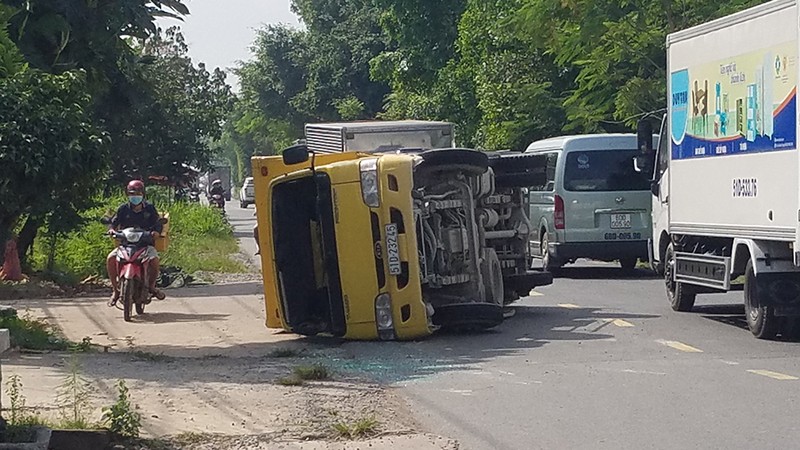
(136, 199)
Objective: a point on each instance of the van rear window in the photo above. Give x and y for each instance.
(601, 171)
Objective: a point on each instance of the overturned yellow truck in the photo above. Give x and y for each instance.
(391, 246)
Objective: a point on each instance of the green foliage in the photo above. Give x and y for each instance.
(121, 417)
(361, 428)
(51, 154)
(72, 398)
(313, 372)
(29, 333)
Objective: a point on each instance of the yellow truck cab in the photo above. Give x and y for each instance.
(388, 246)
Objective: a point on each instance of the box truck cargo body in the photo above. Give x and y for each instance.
(726, 172)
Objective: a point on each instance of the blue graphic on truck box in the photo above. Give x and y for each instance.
(745, 104)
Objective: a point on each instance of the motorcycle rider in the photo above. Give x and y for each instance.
(216, 188)
(136, 213)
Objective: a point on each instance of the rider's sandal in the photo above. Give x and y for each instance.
(157, 293)
(114, 299)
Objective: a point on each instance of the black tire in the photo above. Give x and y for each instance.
(471, 161)
(791, 329)
(628, 264)
(492, 274)
(681, 296)
(127, 289)
(761, 318)
(549, 264)
(242, 205)
(467, 317)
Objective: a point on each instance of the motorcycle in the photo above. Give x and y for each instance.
(217, 201)
(132, 269)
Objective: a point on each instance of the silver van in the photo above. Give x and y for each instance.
(591, 203)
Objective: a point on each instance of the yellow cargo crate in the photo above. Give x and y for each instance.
(162, 242)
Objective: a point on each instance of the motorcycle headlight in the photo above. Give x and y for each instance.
(369, 182)
(132, 236)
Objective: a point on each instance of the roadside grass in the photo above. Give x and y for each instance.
(200, 240)
(361, 428)
(33, 334)
(315, 372)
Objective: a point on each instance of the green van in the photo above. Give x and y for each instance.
(591, 203)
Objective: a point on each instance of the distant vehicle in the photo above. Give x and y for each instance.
(591, 203)
(219, 172)
(378, 136)
(247, 194)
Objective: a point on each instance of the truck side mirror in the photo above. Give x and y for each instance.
(295, 154)
(654, 187)
(644, 136)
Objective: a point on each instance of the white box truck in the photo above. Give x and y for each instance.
(726, 173)
(378, 136)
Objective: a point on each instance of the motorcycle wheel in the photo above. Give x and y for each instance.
(128, 291)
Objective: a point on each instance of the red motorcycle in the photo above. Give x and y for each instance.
(132, 269)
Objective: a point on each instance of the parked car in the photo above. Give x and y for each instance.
(591, 203)
(247, 195)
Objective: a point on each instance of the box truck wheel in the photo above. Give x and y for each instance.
(761, 318)
(492, 274)
(681, 296)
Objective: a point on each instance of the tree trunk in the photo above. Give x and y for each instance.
(26, 237)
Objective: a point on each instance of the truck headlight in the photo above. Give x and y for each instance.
(369, 182)
(383, 316)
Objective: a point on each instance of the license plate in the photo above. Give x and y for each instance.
(620, 221)
(392, 250)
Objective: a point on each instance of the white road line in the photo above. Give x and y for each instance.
(621, 323)
(568, 306)
(679, 346)
(774, 375)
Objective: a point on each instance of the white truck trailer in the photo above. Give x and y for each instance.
(377, 136)
(726, 174)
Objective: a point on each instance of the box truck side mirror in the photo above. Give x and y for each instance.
(654, 187)
(295, 154)
(643, 162)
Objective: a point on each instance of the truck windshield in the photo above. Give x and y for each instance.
(305, 255)
(601, 171)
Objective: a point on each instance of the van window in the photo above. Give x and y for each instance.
(606, 170)
(547, 182)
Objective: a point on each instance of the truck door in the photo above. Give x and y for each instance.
(660, 199)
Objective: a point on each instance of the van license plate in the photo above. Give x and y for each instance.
(619, 221)
(392, 251)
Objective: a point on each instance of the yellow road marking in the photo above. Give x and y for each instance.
(680, 346)
(775, 375)
(622, 323)
(568, 306)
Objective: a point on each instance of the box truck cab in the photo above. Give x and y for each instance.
(591, 203)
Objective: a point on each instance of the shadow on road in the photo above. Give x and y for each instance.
(604, 273)
(172, 317)
(532, 327)
(217, 290)
(731, 314)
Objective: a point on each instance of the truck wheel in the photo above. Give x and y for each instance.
(471, 161)
(761, 319)
(628, 264)
(681, 296)
(548, 263)
(492, 274)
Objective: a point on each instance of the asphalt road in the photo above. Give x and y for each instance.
(596, 360)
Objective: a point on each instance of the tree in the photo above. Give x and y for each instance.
(178, 112)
